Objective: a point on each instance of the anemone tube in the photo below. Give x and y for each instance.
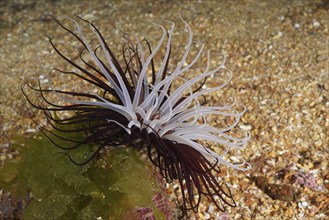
(135, 105)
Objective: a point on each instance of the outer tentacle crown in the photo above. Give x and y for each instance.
(135, 102)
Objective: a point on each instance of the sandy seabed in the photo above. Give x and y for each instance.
(278, 52)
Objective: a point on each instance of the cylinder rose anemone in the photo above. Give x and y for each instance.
(145, 102)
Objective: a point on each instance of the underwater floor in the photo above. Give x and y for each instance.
(278, 52)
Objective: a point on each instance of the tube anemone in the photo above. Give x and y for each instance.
(135, 104)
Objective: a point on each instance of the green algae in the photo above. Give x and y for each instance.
(63, 190)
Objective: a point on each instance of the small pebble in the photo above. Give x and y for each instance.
(302, 205)
(270, 162)
(246, 127)
(234, 159)
(31, 130)
(316, 24)
(278, 35)
(211, 209)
